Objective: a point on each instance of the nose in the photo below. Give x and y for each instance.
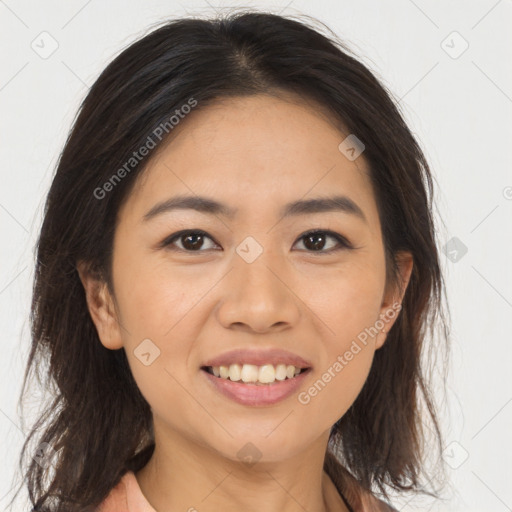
(258, 297)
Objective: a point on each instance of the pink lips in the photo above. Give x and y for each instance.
(253, 394)
(258, 358)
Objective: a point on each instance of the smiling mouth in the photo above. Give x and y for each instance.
(266, 375)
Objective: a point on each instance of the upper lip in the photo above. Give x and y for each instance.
(258, 357)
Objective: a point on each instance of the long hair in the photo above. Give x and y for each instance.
(97, 424)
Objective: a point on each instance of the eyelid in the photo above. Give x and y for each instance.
(343, 242)
(175, 236)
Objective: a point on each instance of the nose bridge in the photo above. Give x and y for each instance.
(258, 295)
(260, 275)
(256, 268)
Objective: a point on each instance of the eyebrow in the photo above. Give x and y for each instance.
(301, 207)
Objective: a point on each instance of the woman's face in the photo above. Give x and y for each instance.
(254, 283)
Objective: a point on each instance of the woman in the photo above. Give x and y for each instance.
(235, 276)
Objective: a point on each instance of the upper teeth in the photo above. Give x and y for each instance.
(265, 374)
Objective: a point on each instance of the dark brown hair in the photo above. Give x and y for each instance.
(97, 424)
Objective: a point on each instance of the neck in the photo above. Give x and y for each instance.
(181, 475)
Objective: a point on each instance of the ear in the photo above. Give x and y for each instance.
(101, 307)
(393, 297)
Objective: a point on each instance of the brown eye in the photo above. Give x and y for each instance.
(316, 241)
(191, 241)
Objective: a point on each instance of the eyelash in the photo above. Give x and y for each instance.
(342, 241)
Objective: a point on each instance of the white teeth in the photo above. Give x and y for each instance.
(235, 372)
(280, 372)
(267, 374)
(250, 373)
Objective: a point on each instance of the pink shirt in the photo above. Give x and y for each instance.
(126, 496)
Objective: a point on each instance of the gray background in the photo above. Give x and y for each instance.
(458, 102)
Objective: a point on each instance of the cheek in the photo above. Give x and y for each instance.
(152, 300)
(159, 313)
(349, 308)
(348, 300)
(337, 383)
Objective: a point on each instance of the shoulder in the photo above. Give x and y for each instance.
(361, 500)
(371, 503)
(126, 496)
(116, 499)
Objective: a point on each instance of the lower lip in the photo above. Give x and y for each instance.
(254, 395)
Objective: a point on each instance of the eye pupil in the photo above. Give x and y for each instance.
(194, 245)
(315, 246)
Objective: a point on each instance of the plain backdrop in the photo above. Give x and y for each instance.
(447, 63)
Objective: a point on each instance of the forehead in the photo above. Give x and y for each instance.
(255, 152)
(262, 127)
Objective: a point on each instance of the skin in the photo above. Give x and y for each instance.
(255, 154)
